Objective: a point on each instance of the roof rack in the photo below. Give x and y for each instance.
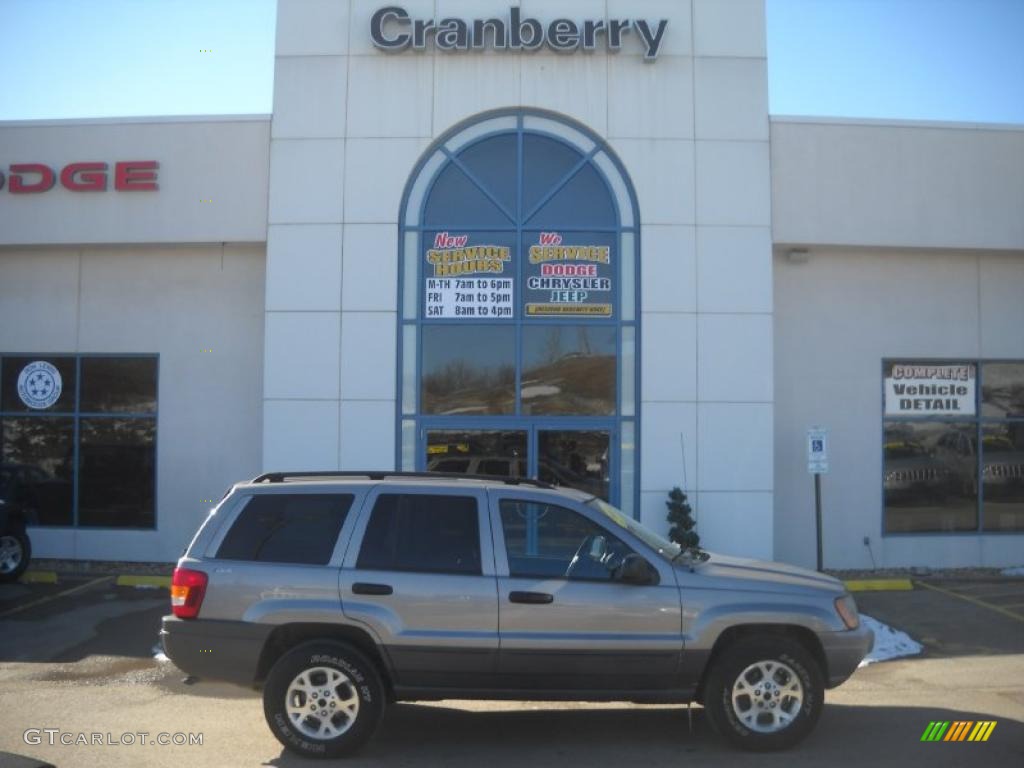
(280, 477)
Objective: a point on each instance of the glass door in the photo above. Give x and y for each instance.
(576, 459)
(501, 452)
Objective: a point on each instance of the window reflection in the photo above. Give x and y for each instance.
(468, 371)
(36, 466)
(930, 477)
(477, 452)
(116, 472)
(569, 370)
(1002, 474)
(121, 385)
(1002, 390)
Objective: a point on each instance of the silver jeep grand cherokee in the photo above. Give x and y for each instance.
(338, 593)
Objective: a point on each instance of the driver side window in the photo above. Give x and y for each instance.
(545, 541)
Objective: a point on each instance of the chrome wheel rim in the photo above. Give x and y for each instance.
(322, 703)
(10, 554)
(767, 696)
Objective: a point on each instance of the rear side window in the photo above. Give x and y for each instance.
(287, 528)
(432, 534)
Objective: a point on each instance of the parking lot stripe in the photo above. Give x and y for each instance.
(878, 585)
(976, 601)
(51, 598)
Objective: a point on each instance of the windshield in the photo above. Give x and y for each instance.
(661, 545)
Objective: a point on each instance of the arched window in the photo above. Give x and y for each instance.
(518, 342)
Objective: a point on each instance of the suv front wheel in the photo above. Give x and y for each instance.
(764, 693)
(323, 699)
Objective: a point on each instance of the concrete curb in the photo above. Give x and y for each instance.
(38, 577)
(137, 580)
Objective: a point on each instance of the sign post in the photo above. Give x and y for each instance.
(817, 465)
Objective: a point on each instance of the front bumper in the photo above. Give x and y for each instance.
(844, 651)
(215, 650)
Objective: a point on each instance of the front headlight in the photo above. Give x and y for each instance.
(846, 607)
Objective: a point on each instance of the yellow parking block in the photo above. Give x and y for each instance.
(878, 585)
(129, 580)
(39, 577)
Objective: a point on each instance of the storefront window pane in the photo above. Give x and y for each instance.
(930, 477)
(568, 370)
(1002, 390)
(583, 202)
(408, 445)
(492, 162)
(456, 200)
(628, 459)
(37, 466)
(627, 374)
(546, 161)
(116, 477)
(409, 370)
(118, 385)
(468, 371)
(1002, 474)
(38, 384)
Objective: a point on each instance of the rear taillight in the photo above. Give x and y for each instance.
(188, 588)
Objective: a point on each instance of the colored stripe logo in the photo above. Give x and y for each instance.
(958, 730)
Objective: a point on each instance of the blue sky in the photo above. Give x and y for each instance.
(910, 59)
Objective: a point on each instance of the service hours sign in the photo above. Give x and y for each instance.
(469, 276)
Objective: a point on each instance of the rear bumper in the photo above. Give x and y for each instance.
(215, 650)
(844, 651)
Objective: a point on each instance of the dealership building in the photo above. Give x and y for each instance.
(563, 240)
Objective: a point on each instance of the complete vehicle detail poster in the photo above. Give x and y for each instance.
(568, 275)
(469, 275)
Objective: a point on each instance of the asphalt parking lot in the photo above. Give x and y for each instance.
(77, 656)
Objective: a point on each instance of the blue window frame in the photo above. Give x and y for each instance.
(519, 309)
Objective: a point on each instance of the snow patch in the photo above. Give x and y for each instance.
(1017, 571)
(889, 643)
(158, 653)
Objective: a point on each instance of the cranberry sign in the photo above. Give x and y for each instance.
(127, 176)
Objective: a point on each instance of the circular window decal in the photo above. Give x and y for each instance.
(39, 385)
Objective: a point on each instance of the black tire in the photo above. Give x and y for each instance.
(359, 682)
(17, 551)
(753, 723)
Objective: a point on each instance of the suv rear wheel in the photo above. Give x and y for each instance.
(764, 693)
(323, 699)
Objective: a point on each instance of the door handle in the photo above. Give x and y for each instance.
(531, 598)
(362, 588)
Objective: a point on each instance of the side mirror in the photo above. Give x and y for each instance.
(635, 570)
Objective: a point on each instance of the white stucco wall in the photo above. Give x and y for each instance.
(692, 130)
(897, 184)
(175, 302)
(212, 181)
(836, 317)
